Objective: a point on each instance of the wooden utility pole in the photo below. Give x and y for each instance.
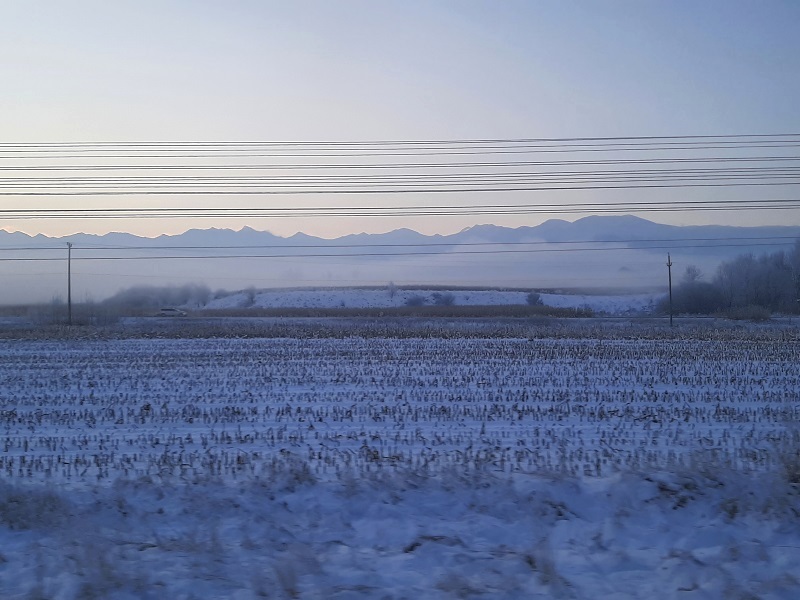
(69, 283)
(669, 271)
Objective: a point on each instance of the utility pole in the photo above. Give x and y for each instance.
(669, 270)
(69, 283)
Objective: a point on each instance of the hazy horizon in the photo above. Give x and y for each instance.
(484, 257)
(431, 229)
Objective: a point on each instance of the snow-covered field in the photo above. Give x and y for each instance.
(350, 467)
(620, 304)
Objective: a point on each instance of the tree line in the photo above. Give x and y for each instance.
(768, 282)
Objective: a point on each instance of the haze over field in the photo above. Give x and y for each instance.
(594, 253)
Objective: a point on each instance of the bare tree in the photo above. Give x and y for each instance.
(692, 274)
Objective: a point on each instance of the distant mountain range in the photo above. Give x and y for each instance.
(597, 252)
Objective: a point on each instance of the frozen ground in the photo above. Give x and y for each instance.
(656, 466)
(621, 304)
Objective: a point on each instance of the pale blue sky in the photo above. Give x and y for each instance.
(367, 70)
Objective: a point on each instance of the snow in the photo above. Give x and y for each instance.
(628, 304)
(388, 467)
(408, 536)
(620, 304)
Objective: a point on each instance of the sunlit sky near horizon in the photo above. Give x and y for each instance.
(364, 70)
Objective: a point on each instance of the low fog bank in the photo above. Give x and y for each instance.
(580, 255)
(95, 281)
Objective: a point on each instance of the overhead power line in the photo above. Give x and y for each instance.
(379, 182)
(416, 152)
(636, 142)
(399, 210)
(419, 141)
(409, 190)
(381, 167)
(367, 254)
(395, 165)
(42, 174)
(418, 249)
